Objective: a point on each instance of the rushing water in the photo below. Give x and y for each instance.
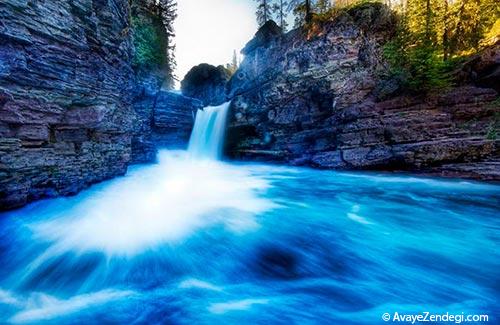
(197, 241)
(208, 133)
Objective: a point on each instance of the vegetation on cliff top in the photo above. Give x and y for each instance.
(149, 44)
(152, 22)
(431, 36)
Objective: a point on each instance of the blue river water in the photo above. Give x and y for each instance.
(203, 242)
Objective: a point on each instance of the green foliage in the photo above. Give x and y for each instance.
(418, 65)
(150, 47)
(431, 37)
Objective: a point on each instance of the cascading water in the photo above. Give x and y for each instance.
(196, 240)
(207, 139)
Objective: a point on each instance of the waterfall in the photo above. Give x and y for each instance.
(207, 138)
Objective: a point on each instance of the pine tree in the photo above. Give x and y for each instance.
(280, 8)
(473, 19)
(168, 13)
(264, 11)
(233, 66)
(302, 10)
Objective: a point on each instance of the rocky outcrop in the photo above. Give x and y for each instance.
(312, 97)
(65, 85)
(150, 77)
(167, 119)
(206, 83)
(482, 69)
(73, 109)
(147, 87)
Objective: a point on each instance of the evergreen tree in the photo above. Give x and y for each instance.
(280, 8)
(167, 11)
(233, 66)
(302, 10)
(472, 20)
(264, 11)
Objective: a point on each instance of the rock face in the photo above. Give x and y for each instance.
(150, 78)
(167, 120)
(483, 69)
(148, 85)
(206, 83)
(314, 99)
(73, 112)
(65, 85)
(173, 119)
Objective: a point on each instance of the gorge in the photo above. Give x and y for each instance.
(195, 240)
(91, 111)
(305, 185)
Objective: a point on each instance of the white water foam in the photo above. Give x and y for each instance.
(158, 204)
(237, 305)
(41, 307)
(165, 202)
(198, 284)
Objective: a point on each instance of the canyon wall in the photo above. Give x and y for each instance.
(73, 108)
(65, 94)
(314, 97)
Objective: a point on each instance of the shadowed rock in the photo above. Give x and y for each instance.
(206, 83)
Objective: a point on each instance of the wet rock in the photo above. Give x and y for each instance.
(65, 96)
(74, 110)
(173, 119)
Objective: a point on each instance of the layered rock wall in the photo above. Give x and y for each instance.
(65, 85)
(313, 97)
(73, 109)
(173, 119)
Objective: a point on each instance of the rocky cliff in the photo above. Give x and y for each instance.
(313, 97)
(73, 110)
(65, 85)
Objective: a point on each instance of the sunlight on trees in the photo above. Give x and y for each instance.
(430, 37)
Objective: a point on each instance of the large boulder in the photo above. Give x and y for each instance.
(206, 83)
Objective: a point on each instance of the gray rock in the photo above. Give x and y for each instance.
(317, 95)
(173, 119)
(73, 112)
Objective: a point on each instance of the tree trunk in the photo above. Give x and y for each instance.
(446, 33)
(308, 11)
